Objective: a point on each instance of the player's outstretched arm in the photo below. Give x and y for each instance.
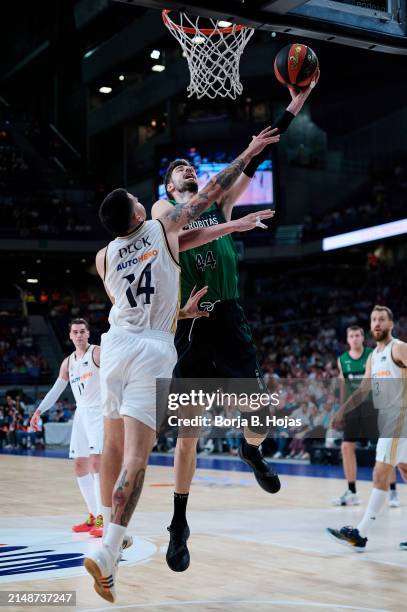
(182, 214)
(282, 124)
(52, 395)
(191, 239)
(357, 397)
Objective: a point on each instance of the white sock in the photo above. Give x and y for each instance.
(106, 513)
(96, 482)
(87, 488)
(114, 538)
(375, 504)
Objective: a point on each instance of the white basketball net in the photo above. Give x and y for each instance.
(213, 54)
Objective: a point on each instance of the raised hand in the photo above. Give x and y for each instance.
(266, 137)
(253, 220)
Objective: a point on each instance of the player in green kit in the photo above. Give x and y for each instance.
(360, 425)
(221, 345)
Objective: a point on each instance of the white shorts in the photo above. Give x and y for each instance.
(87, 432)
(391, 450)
(130, 363)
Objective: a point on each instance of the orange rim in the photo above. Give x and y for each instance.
(204, 31)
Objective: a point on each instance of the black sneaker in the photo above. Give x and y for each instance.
(263, 472)
(403, 545)
(177, 553)
(349, 536)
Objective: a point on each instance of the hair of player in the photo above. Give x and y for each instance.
(355, 328)
(116, 211)
(79, 322)
(170, 170)
(384, 309)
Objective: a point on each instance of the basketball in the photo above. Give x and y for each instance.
(296, 65)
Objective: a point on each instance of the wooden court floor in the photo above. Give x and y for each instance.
(249, 550)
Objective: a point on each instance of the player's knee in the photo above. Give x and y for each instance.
(81, 465)
(381, 476)
(186, 446)
(348, 448)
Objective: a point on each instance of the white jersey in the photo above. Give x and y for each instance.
(389, 391)
(143, 278)
(84, 379)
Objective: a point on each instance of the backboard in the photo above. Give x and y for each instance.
(378, 25)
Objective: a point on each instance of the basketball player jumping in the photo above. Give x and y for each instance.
(220, 346)
(141, 276)
(386, 378)
(81, 370)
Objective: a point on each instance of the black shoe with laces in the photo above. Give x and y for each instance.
(177, 553)
(349, 536)
(263, 472)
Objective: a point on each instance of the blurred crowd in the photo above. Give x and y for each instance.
(16, 411)
(380, 201)
(20, 360)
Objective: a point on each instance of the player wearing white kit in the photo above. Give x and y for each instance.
(81, 370)
(141, 275)
(386, 378)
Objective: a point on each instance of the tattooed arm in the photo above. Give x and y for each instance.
(182, 214)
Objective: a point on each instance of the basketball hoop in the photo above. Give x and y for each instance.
(213, 54)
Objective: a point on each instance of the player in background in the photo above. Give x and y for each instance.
(220, 346)
(140, 271)
(386, 379)
(360, 425)
(81, 370)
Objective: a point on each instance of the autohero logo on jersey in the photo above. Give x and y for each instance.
(133, 248)
(23, 556)
(253, 408)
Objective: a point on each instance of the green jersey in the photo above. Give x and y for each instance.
(214, 264)
(353, 370)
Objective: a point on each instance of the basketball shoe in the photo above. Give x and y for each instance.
(347, 499)
(102, 566)
(177, 553)
(263, 472)
(97, 529)
(86, 526)
(394, 500)
(349, 536)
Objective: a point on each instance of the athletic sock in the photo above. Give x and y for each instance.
(96, 482)
(87, 489)
(180, 508)
(376, 500)
(393, 486)
(114, 538)
(352, 487)
(106, 512)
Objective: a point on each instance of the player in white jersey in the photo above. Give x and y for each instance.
(141, 275)
(81, 370)
(386, 379)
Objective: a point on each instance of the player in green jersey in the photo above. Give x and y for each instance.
(360, 425)
(221, 345)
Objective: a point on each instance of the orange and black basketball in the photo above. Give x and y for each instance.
(296, 65)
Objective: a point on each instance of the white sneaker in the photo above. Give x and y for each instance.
(394, 500)
(347, 499)
(102, 566)
(277, 455)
